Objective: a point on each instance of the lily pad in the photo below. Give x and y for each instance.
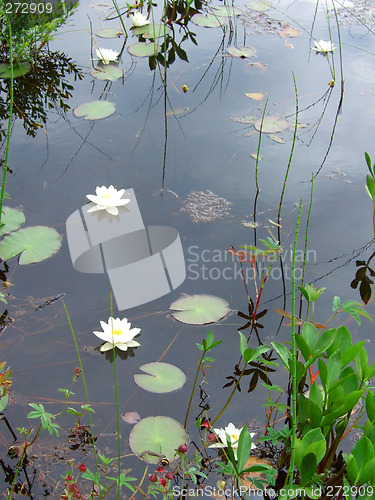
(153, 438)
(11, 220)
(208, 20)
(226, 10)
(143, 49)
(95, 110)
(162, 377)
(33, 243)
(256, 96)
(199, 309)
(152, 30)
(241, 52)
(19, 69)
(108, 72)
(131, 417)
(259, 5)
(109, 33)
(272, 124)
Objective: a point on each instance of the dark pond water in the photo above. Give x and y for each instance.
(162, 142)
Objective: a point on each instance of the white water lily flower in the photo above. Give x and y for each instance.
(138, 19)
(117, 332)
(323, 47)
(107, 199)
(234, 435)
(106, 55)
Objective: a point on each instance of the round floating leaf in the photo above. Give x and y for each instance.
(19, 69)
(272, 124)
(95, 110)
(159, 435)
(199, 309)
(226, 11)
(259, 5)
(256, 96)
(162, 377)
(156, 31)
(241, 52)
(143, 49)
(109, 33)
(11, 220)
(108, 72)
(208, 20)
(36, 244)
(131, 417)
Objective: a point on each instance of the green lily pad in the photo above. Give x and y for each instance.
(162, 377)
(95, 110)
(160, 436)
(208, 20)
(226, 10)
(152, 30)
(109, 33)
(241, 51)
(11, 220)
(143, 49)
(108, 72)
(19, 69)
(259, 5)
(272, 124)
(199, 309)
(33, 243)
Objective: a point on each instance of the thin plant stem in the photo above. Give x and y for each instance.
(230, 396)
(193, 389)
(117, 406)
(294, 358)
(5, 168)
(86, 393)
(259, 142)
(120, 17)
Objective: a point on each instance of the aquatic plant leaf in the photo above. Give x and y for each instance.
(95, 110)
(247, 478)
(160, 378)
(4, 402)
(226, 10)
(109, 33)
(259, 5)
(153, 438)
(108, 72)
(143, 49)
(276, 138)
(241, 51)
(245, 119)
(272, 124)
(256, 96)
(155, 31)
(19, 69)
(33, 243)
(131, 417)
(199, 309)
(256, 156)
(289, 31)
(208, 20)
(11, 220)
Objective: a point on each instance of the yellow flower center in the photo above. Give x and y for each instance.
(116, 332)
(106, 196)
(234, 436)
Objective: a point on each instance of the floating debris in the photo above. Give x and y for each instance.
(205, 206)
(50, 301)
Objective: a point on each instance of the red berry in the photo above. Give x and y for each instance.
(183, 448)
(212, 438)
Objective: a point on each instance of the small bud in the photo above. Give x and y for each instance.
(212, 438)
(169, 475)
(183, 448)
(153, 478)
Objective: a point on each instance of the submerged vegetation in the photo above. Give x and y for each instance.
(315, 384)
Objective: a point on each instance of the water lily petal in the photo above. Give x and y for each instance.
(106, 347)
